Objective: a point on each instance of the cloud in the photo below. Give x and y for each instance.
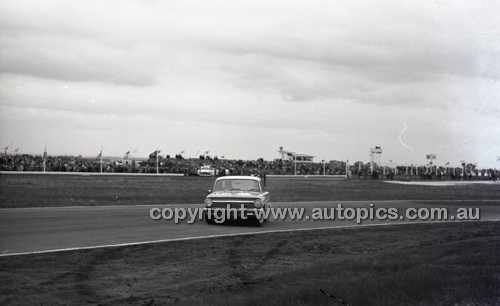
(374, 51)
(304, 51)
(76, 43)
(73, 62)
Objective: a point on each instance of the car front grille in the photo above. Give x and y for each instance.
(231, 205)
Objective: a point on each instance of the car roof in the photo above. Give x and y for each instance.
(239, 178)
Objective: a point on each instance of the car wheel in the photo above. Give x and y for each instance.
(210, 221)
(259, 221)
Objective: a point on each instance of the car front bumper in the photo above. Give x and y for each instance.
(232, 213)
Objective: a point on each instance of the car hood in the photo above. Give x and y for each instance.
(236, 194)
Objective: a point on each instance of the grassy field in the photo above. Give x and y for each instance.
(69, 190)
(454, 263)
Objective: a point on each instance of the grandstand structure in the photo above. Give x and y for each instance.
(295, 157)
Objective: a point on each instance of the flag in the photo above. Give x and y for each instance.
(126, 155)
(17, 149)
(98, 155)
(447, 164)
(154, 154)
(45, 153)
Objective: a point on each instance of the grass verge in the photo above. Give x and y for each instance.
(67, 190)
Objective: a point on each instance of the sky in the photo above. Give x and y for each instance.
(242, 78)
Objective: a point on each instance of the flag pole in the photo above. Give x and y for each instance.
(101, 158)
(157, 171)
(45, 159)
(295, 162)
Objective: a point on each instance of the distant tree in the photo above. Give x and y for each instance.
(202, 157)
(358, 165)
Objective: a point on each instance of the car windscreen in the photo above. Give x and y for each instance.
(237, 185)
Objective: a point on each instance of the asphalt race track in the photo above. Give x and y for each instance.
(25, 230)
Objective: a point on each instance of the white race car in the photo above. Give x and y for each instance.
(206, 170)
(237, 197)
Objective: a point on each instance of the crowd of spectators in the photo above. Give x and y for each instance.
(26, 162)
(190, 166)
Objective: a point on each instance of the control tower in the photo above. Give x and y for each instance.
(375, 157)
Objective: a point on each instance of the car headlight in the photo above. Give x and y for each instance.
(208, 202)
(258, 203)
